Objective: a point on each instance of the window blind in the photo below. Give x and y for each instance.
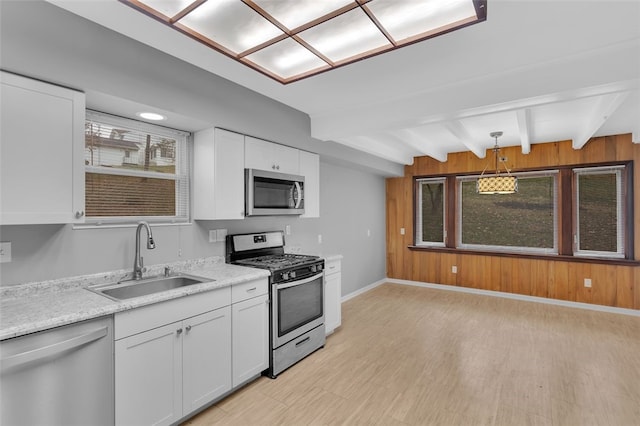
(134, 171)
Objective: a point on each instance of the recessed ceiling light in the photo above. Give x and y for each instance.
(289, 40)
(151, 116)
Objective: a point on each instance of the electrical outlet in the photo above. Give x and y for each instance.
(401, 231)
(454, 269)
(287, 229)
(319, 238)
(221, 234)
(587, 282)
(5, 252)
(213, 236)
(368, 232)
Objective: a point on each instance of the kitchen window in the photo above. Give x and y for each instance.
(431, 214)
(134, 171)
(599, 211)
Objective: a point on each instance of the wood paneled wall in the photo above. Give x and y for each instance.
(612, 285)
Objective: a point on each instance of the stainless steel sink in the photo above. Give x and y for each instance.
(130, 289)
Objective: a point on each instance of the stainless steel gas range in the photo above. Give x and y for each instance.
(296, 295)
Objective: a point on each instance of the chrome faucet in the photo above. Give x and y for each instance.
(138, 263)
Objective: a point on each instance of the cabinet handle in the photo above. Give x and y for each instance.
(79, 214)
(252, 289)
(179, 331)
(303, 341)
(188, 328)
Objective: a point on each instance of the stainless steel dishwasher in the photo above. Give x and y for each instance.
(62, 376)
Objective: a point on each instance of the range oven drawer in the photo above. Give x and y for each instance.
(290, 353)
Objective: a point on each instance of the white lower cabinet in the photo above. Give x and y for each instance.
(149, 377)
(332, 295)
(250, 339)
(206, 357)
(174, 357)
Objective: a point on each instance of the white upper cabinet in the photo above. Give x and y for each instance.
(310, 169)
(264, 155)
(218, 175)
(41, 152)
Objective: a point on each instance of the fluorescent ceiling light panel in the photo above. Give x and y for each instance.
(289, 40)
(168, 8)
(295, 13)
(231, 24)
(410, 19)
(287, 59)
(345, 36)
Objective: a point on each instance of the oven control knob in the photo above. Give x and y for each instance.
(292, 274)
(285, 275)
(313, 268)
(320, 266)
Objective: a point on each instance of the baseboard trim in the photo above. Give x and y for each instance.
(359, 291)
(566, 303)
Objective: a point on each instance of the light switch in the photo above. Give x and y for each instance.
(213, 236)
(221, 234)
(5, 251)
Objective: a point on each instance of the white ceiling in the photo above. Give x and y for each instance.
(538, 70)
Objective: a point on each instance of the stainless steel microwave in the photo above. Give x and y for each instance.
(271, 193)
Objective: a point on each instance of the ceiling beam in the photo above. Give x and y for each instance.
(420, 143)
(604, 108)
(375, 146)
(524, 125)
(457, 129)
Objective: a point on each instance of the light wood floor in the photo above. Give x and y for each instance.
(415, 356)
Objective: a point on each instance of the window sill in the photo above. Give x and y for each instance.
(555, 257)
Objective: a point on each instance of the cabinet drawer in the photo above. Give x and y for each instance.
(240, 292)
(332, 267)
(148, 317)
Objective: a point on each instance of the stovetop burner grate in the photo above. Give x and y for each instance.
(277, 261)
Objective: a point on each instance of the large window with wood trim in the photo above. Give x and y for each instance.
(134, 171)
(525, 221)
(566, 211)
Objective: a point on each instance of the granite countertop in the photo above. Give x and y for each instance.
(32, 307)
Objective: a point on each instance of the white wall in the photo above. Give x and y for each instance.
(351, 203)
(42, 41)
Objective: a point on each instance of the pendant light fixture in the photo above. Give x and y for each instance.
(498, 183)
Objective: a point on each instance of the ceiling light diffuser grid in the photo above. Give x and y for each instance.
(289, 40)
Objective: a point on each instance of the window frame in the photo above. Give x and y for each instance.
(620, 211)
(181, 176)
(511, 249)
(418, 229)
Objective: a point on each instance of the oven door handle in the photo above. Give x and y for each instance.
(300, 282)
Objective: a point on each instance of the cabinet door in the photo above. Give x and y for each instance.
(333, 302)
(149, 377)
(218, 175)
(310, 169)
(206, 358)
(286, 159)
(41, 152)
(264, 155)
(250, 336)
